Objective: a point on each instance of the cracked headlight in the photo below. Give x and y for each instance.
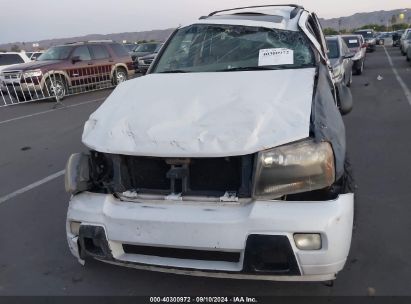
(34, 73)
(300, 167)
(77, 175)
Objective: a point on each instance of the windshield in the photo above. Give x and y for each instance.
(215, 48)
(352, 42)
(334, 51)
(129, 47)
(146, 48)
(56, 53)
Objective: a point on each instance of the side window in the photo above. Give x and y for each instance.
(99, 52)
(82, 52)
(7, 59)
(119, 50)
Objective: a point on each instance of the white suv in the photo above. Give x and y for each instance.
(227, 160)
(8, 59)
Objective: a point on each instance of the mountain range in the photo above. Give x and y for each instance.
(351, 22)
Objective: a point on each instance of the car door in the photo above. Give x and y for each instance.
(80, 71)
(102, 64)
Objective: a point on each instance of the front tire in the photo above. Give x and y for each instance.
(55, 87)
(120, 75)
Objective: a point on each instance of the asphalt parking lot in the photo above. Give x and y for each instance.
(36, 141)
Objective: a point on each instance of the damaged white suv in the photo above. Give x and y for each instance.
(227, 160)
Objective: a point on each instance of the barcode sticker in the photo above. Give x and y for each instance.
(278, 56)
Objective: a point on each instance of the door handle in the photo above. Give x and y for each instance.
(90, 63)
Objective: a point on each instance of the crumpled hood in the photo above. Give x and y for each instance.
(203, 114)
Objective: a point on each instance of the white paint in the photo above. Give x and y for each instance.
(216, 226)
(31, 186)
(277, 56)
(253, 23)
(404, 87)
(203, 114)
(49, 111)
(282, 11)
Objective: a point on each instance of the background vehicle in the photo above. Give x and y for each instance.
(143, 63)
(130, 47)
(341, 60)
(356, 44)
(396, 37)
(370, 39)
(143, 50)
(72, 68)
(385, 39)
(35, 55)
(9, 59)
(407, 46)
(217, 159)
(402, 41)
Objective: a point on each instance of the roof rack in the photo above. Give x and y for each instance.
(293, 13)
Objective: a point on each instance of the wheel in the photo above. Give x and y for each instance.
(56, 86)
(120, 75)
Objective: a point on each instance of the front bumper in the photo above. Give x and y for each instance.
(222, 228)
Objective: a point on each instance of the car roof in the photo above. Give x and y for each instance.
(330, 38)
(18, 53)
(284, 17)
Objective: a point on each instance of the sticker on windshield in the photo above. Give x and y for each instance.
(276, 57)
(352, 41)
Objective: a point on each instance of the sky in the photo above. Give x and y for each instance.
(28, 20)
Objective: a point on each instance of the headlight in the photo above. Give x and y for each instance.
(295, 168)
(77, 173)
(30, 74)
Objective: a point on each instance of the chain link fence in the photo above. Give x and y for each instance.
(19, 87)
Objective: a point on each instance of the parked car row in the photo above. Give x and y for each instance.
(347, 54)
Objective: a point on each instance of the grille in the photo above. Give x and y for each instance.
(188, 254)
(11, 75)
(148, 61)
(189, 176)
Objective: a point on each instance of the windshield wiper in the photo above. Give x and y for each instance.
(255, 68)
(173, 72)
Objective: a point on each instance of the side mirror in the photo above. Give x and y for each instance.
(345, 100)
(75, 59)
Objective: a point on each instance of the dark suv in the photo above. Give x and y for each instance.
(70, 68)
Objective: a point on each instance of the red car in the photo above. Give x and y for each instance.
(69, 69)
